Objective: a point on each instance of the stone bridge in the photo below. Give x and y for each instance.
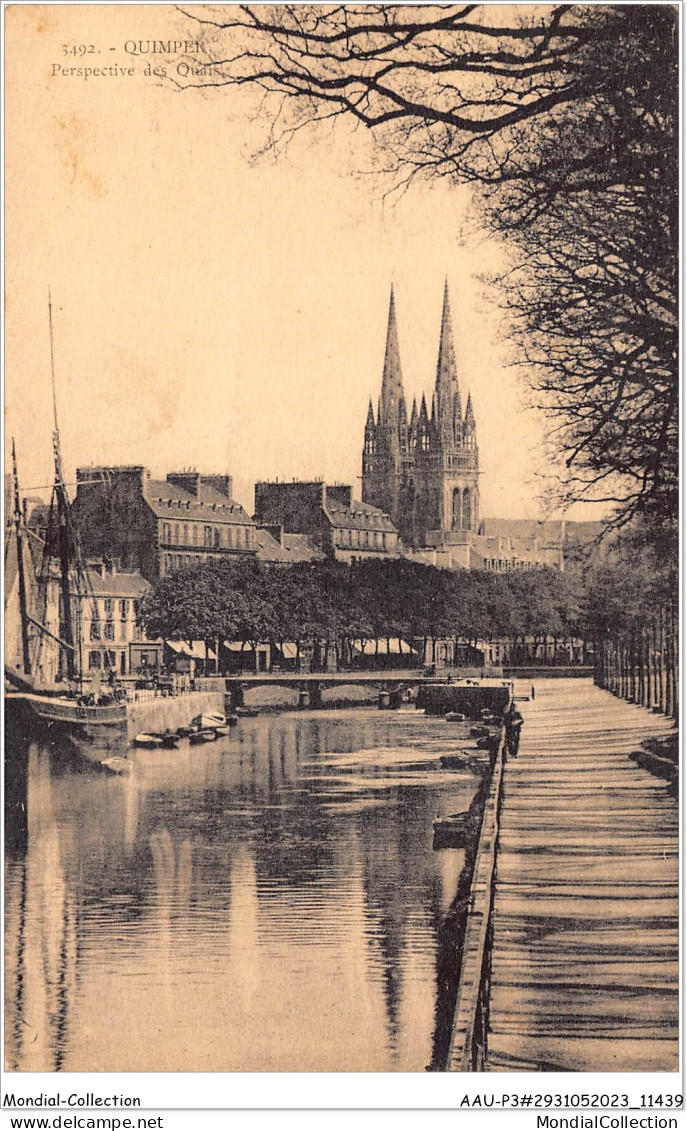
(447, 694)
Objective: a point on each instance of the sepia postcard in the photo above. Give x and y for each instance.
(341, 571)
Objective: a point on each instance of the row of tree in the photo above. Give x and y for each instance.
(327, 604)
(632, 612)
(623, 607)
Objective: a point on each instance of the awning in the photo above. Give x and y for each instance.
(289, 651)
(383, 647)
(178, 646)
(195, 650)
(198, 651)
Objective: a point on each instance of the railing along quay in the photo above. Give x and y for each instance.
(570, 954)
(467, 1049)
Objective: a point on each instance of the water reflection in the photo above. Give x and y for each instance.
(267, 902)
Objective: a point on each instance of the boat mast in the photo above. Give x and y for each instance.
(63, 525)
(23, 608)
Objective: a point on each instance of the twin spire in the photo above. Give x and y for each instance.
(446, 427)
(392, 397)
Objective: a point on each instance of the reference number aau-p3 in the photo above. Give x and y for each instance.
(591, 1100)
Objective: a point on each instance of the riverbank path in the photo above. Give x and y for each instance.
(585, 929)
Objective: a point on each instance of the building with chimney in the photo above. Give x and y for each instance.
(332, 520)
(423, 470)
(159, 525)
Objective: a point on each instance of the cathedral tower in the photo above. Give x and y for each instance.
(385, 448)
(424, 474)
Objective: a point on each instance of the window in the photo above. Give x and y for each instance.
(217, 538)
(95, 630)
(457, 499)
(94, 660)
(195, 534)
(123, 609)
(467, 510)
(185, 534)
(207, 535)
(109, 630)
(176, 533)
(109, 605)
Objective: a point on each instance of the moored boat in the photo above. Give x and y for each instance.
(169, 739)
(456, 761)
(208, 721)
(247, 712)
(205, 735)
(116, 765)
(70, 711)
(75, 702)
(453, 831)
(147, 741)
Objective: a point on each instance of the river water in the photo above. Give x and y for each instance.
(271, 901)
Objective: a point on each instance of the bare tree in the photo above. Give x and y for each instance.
(564, 118)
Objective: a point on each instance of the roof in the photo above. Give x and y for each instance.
(301, 549)
(293, 548)
(117, 584)
(548, 532)
(269, 549)
(167, 500)
(359, 516)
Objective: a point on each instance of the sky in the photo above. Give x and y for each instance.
(214, 312)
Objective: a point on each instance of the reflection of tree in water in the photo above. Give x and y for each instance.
(394, 862)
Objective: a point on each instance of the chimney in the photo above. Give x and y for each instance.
(188, 481)
(341, 493)
(277, 532)
(223, 484)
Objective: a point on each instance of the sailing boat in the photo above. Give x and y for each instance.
(65, 704)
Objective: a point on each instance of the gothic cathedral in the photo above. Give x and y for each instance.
(424, 472)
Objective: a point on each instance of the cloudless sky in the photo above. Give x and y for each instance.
(217, 313)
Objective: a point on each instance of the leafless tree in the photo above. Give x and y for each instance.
(564, 118)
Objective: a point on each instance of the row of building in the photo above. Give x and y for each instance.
(420, 488)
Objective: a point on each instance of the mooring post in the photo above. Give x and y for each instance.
(235, 689)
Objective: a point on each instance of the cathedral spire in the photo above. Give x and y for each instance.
(469, 427)
(392, 381)
(413, 420)
(447, 390)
